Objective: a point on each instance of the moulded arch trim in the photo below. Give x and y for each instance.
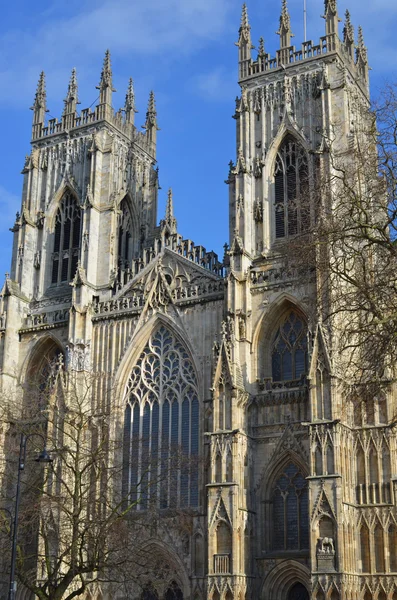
(287, 127)
(275, 469)
(137, 344)
(180, 575)
(56, 201)
(126, 195)
(280, 580)
(37, 348)
(268, 322)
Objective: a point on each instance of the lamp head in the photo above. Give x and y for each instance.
(44, 457)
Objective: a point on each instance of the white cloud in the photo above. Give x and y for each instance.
(168, 28)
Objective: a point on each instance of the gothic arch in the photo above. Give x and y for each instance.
(161, 550)
(273, 469)
(266, 328)
(41, 347)
(287, 128)
(124, 251)
(64, 188)
(282, 578)
(134, 348)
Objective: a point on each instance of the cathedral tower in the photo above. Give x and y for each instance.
(288, 497)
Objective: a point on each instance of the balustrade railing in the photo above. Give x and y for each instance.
(221, 564)
(33, 320)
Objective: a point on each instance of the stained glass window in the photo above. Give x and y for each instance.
(161, 422)
(290, 510)
(291, 183)
(66, 240)
(289, 352)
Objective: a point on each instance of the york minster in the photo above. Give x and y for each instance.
(214, 383)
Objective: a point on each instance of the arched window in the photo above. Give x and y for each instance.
(174, 592)
(290, 510)
(298, 592)
(291, 182)
(125, 239)
(66, 240)
(289, 352)
(161, 426)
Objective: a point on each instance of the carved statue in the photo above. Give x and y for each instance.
(326, 545)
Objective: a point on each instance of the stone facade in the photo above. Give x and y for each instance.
(295, 499)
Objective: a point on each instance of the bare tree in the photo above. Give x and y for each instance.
(350, 248)
(82, 522)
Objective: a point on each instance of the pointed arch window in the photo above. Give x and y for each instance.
(125, 239)
(289, 350)
(290, 510)
(66, 240)
(161, 426)
(291, 183)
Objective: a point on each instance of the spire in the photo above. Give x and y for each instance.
(129, 106)
(169, 220)
(285, 26)
(331, 19)
(361, 55)
(261, 48)
(244, 44)
(105, 86)
(151, 119)
(71, 99)
(40, 101)
(348, 35)
(361, 48)
(244, 18)
(151, 114)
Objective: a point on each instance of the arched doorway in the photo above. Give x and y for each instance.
(298, 592)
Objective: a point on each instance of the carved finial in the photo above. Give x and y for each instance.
(348, 35)
(361, 50)
(106, 82)
(151, 119)
(40, 101)
(72, 88)
(71, 99)
(285, 26)
(169, 213)
(261, 49)
(129, 106)
(244, 44)
(169, 224)
(244, 18)
(360, 41)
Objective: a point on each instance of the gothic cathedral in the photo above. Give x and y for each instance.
(226, 359)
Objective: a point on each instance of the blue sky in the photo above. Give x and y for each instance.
(184, 50)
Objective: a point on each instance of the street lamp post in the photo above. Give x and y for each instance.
(43, 457)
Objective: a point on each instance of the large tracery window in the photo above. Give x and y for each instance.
(289, 351)
(290, 510)
(162, 423)
(66, 240)
(291, 182)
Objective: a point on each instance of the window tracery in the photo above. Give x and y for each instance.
(66, 240)
(289, 351)
(290, 510)
(161, 422)
(291, 182)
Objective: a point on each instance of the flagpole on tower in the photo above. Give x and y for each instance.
(304, 21)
